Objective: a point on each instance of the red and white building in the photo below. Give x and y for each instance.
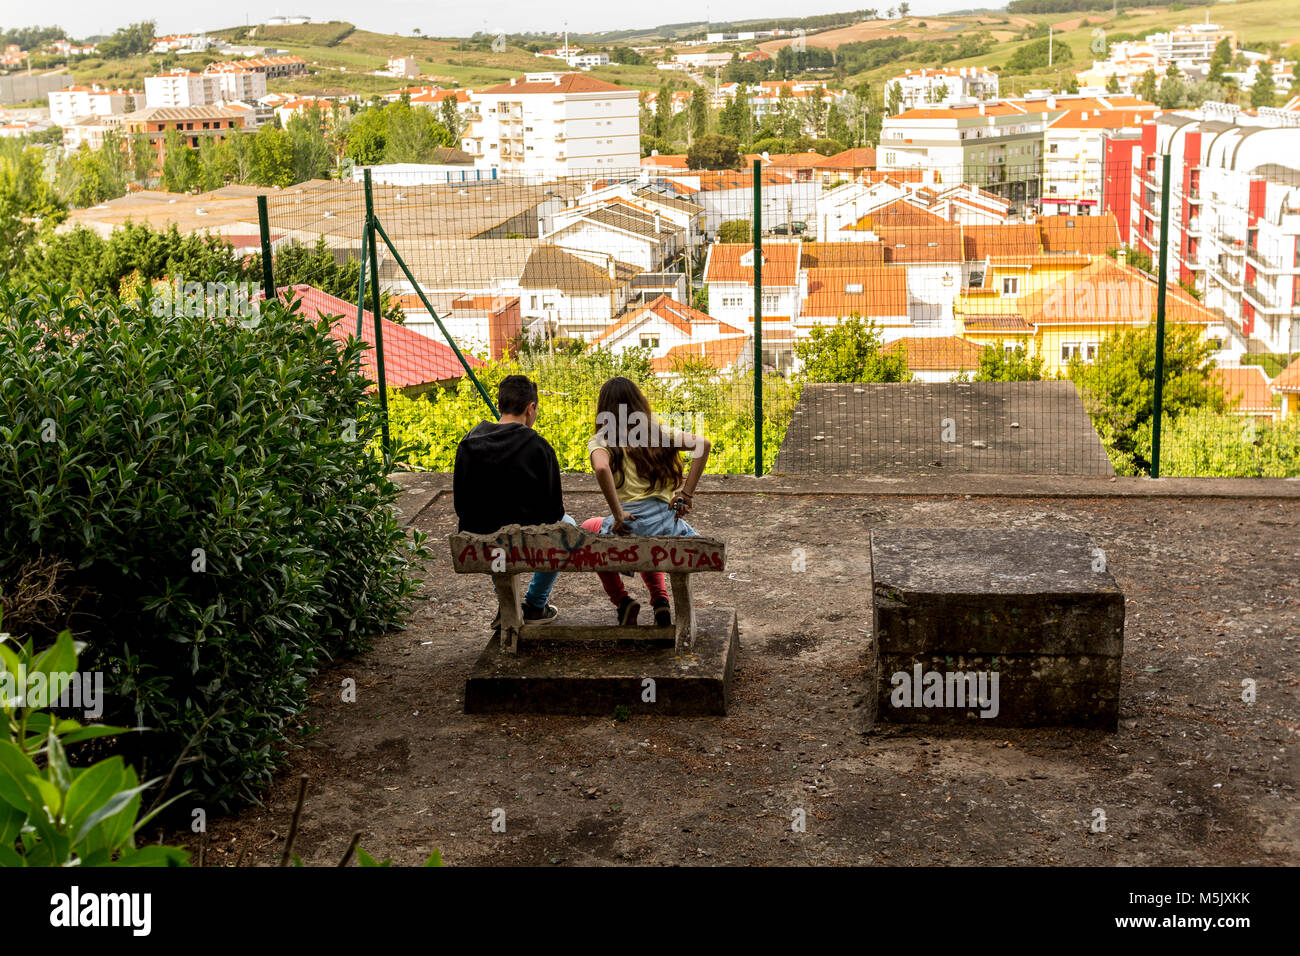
(1234, 215)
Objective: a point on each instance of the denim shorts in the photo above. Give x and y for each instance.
(653, 517)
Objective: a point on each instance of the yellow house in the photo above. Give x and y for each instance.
(1072, 316)
(991, 312)
(1287, 384)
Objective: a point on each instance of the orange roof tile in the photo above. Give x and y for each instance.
(1288, 380)
(1090, 235)
(946, 353)
(1246, 385)
(861, 157)
(780, 263)
(1008, 239)
(1106, 293)
(869, 292)
(921, 243)
(721, 353)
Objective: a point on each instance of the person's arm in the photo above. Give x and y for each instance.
(605, 478)
(699, 451)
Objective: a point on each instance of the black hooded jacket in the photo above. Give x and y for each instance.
(505, 473)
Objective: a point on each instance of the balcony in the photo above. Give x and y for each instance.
(1262, 302)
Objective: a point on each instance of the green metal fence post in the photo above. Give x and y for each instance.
(374, 305)
(1162, 282)
(268, 274)
(758, 319)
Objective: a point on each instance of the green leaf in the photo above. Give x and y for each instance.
(92, 789)
(112, 807)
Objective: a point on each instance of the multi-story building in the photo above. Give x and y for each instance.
(1234, 223)
(194, 123)
(944, 86)
(995, 146)
(239, 83)
(183, 88)
(1073, 153)
(1192, 43)
(555, 122)
(74, 102)
(272, 66)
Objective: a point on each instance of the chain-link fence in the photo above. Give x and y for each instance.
(819, 315)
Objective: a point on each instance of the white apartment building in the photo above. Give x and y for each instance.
(1234, 217)
(1073, 154)
(944, 87)
(183, 88)
(555, 122)
(996, 146)
(76, 102)
(238, 83)
(1194, 42)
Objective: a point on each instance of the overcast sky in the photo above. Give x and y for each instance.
(87, 17)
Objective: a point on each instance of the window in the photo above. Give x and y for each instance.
(853, 288)
(1090, 351)
(1011, 285)
(1069, 350)
(649, 341)
(977, 280)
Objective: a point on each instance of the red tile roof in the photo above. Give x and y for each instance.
(1010, 239)
(1247, 385)
(780, 263)
(1106, 293)
(944, 353)
(409, 358)
(863, 157)
(1288, 380)
(721, 353)
(1090, 235)
(876, 291)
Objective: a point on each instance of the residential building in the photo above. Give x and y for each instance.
(936, 358)
(1287, 387)
(1073, 154)
(996, 146)
(1193, 43)
(847, 165)
(944, 86)
(194, 123)
(273, 66)
(1246, 391)
(625, 230)
(181, 43)
(667, 329)
(555, 122)
(1234, 223)
(401, 66)
(182, 88)
(238, 82)
(75, 102)
(573, 293)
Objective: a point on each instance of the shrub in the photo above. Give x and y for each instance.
(209, 485)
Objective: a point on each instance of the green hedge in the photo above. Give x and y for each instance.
(128, 441)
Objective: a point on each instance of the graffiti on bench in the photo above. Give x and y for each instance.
(513, 550)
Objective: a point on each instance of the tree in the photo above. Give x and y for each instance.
(133, 40)
(903, 8)
(836, 127)
(736, 230)
(699, 114)
(895, 99)
(298, 264)
(272, 157)
(1146, 89)
(714, 151)
(368, 137)
(89, 177)
(449, 116)
(413, 135)
(998, 364)
(1119, 387)
(663, 113)
(27, 201)
(1219, 60)
(180, 166)
(1112, 84)
(736, 120)
(311, 153)
(849, 352)
(1262, 92)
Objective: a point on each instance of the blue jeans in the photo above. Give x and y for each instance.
(539, 589)
(653, 517)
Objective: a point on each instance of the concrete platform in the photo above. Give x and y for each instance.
(1035, 613)
(577, 677)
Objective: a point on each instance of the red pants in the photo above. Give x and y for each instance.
(613, 582)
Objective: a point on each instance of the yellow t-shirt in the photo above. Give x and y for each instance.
(634, 487)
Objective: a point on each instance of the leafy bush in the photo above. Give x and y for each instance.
(58, 814)
(209, 485)
(1206, 443)
(850, 352)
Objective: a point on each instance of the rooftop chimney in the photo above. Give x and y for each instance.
(1051, 104)
(981, 109)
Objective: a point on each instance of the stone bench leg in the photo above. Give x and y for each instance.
(509, 600)
(683, 611)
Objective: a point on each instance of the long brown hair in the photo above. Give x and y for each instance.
(655, 461)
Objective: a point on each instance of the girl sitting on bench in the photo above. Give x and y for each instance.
(638, 465)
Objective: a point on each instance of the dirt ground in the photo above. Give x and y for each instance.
(1194, 776)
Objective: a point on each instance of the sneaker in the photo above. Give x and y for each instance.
(663, 614)
(540, 615)
(628, 609)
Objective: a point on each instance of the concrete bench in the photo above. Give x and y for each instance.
(513, 551)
